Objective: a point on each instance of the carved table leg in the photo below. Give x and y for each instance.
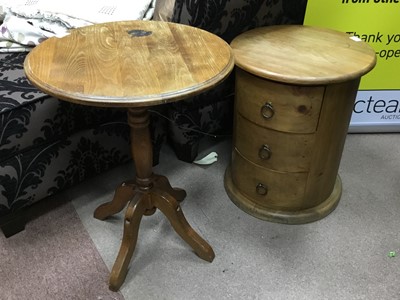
(133, 216)
(123, 194)
(146, 194)
(172, 210)
(162, 183)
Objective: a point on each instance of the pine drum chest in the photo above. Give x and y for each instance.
(295, 90)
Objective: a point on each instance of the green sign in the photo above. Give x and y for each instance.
(375, 21)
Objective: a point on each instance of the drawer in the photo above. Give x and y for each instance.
(271, 189)
(283, 107)
(285, 152)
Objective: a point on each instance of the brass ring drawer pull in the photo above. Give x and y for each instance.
(265, 152)
(267, 110)
(261, 189)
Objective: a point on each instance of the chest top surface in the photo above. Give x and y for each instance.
(132, 63)
(299, 54)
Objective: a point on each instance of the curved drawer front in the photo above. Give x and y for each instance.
(285, 152)
(268, 188)
(278, 106)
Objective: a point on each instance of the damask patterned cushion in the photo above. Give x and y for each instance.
(37, 172)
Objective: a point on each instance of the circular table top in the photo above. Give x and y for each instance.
(129, 63)
(305, 55)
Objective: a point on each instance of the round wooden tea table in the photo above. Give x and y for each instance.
(136, 65)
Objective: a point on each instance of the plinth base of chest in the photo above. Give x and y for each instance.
(278, 215)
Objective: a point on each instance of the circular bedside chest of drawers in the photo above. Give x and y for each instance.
(295, 90)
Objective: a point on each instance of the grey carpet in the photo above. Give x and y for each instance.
(54, 258)
(343, 256)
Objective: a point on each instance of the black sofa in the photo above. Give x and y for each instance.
(47, 145)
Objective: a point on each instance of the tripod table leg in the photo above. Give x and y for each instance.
(170, 207)
(123, 194)
(162, 183)
(133, 216)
